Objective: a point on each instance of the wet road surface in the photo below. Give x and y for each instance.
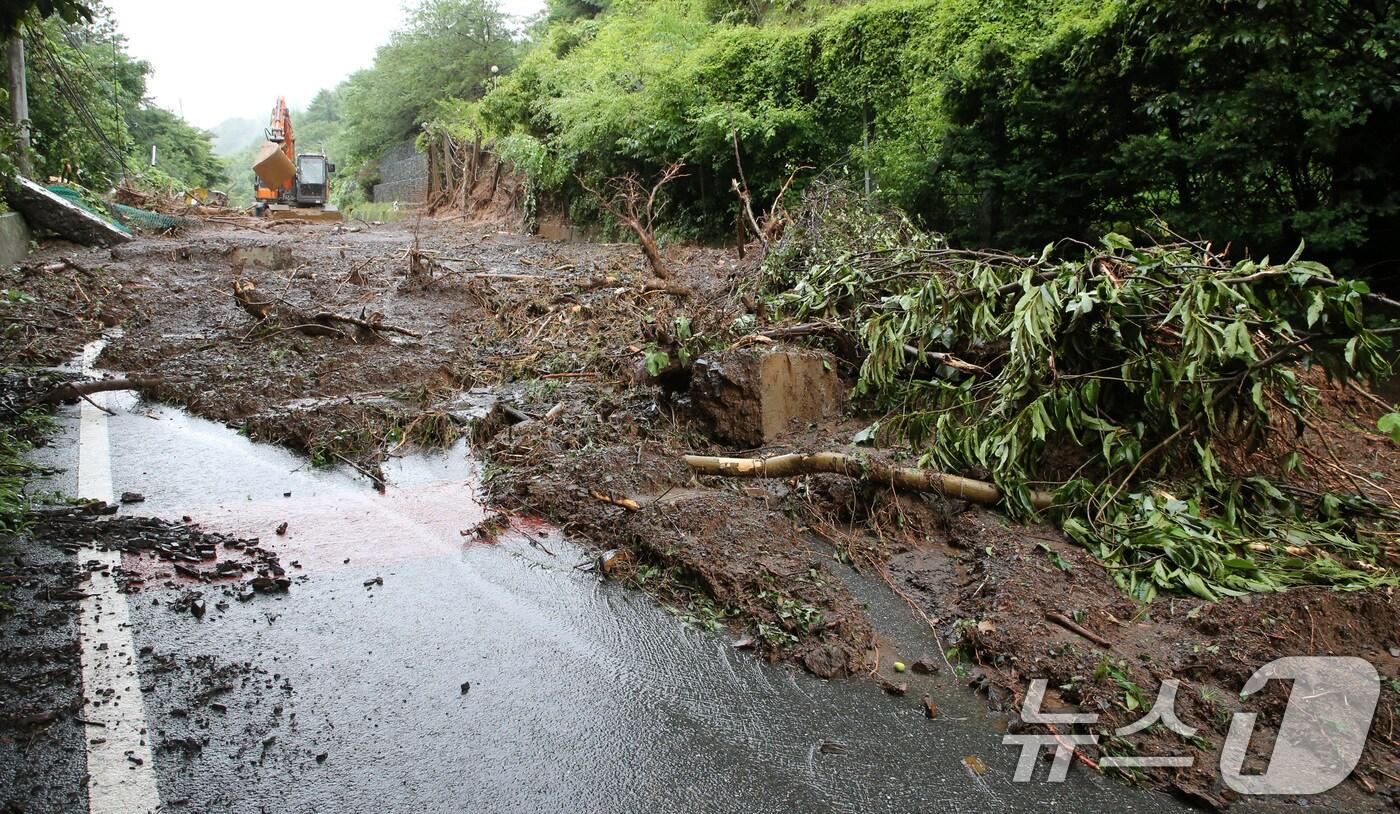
(487, 677)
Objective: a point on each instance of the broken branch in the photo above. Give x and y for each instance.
(915, 480)
(625, 502)
(75, 390)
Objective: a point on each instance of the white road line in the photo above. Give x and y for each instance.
(121, 777)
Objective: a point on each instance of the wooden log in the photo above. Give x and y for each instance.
(899, 477)
(73, 390)
(665, 287)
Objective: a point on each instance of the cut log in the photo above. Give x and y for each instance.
(74, 390)
(666, 287)
(914, 480)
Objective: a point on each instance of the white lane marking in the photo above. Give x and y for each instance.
(117, 783)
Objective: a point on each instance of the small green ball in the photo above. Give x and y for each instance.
(899, 666)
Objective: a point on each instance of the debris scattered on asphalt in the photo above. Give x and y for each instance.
(893, 688)
(830, 747)
(924, 666)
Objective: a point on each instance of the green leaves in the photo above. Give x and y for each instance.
(1132, 381)
(1390, 425)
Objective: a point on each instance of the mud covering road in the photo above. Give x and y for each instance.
(444, 553)
(409, 668)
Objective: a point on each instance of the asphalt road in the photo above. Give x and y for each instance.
(411, 669)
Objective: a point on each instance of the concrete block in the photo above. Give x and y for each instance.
(14, 239)
(45, 211)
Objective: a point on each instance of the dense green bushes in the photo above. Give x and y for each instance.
(1000, 123)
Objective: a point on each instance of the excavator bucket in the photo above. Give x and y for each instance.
(272, 165)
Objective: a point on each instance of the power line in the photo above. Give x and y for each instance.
(64, 85)
(77, 99)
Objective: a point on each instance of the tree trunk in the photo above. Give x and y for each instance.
(649, 249)
(914, 480)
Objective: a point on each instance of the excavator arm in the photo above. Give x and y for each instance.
(276, 177)
(288, 180)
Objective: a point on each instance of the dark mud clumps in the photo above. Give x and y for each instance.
(1005, 593)
(193, 697)
(193, 555)
(41, 738)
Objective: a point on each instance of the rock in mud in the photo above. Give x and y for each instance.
(924, 666)
(825, 661)
(752, 395)
(893, 688)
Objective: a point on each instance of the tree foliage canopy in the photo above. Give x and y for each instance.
(1120, 378)
(997, 122)
(90, 121)
(445, 50)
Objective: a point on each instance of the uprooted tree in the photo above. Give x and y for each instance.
(1122, 379)
(633, 204)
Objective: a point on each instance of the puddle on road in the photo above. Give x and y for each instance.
(584, 695)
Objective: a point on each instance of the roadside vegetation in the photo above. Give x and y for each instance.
(1144, 382)
(91, 123)
(1000, 124)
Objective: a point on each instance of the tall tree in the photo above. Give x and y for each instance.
(446, 49)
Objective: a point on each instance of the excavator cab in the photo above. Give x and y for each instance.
(312, 179)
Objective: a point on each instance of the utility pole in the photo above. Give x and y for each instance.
(19, 100)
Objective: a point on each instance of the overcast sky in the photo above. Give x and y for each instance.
(219, 60)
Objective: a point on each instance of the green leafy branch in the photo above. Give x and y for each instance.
(1117, 377)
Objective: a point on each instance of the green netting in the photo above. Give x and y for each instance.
(146, 219)
(121, 216)
(75, 197)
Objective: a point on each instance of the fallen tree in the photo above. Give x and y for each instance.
(262, 307)
(1131, 379)
(76, 390)
(898, 477)
(634, 205)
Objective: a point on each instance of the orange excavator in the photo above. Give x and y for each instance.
(290, 184)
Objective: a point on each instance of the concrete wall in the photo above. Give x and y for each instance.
(14, 238)
(404, 175)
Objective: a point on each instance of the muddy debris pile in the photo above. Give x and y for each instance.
(584, 392)
(193, 554)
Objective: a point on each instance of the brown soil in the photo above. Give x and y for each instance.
(559, 333)
(994, 585)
